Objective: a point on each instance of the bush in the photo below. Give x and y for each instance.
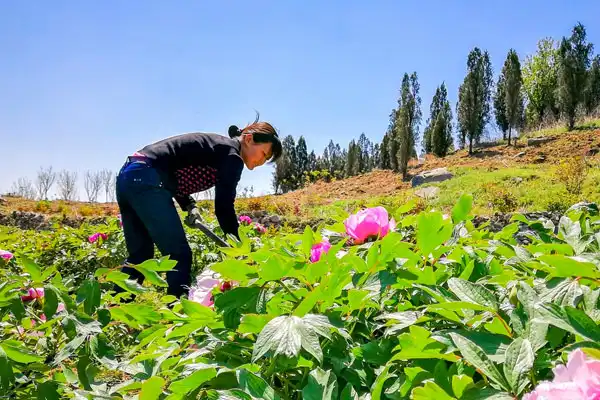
(572, 172)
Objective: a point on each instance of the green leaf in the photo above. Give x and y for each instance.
(235, 270)
(151, 276)
(457, 306)
(152, 388)
(50, 301)
(432, 231)
(193, 382)
(160, 265)
(519, 361)
(31, 268)
(89, 293)
(460, 384)
(568, 267)
(430, 391)
(238, 297)
(69, 349)
(477, 357)
(255, 386)
(18, 352)
(486, 394)
(462, 208)
(7, 377)
(253, 323)
(322, 385)
(282, 335)
(570, 319)
(349, 393)
(307, 241)
(47, 391)
(197, 311)
(473, 293)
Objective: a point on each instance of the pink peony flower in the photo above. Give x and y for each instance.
(578, 380)
(201, 292)
(260, 229)
(33, 294)
(246, 220)
(367, 223)
(6, 255)
(120, 220)
(93, 238)
(318, 250)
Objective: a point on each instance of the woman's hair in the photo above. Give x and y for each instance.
(262, 132)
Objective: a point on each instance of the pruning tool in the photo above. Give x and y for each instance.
(197, 223)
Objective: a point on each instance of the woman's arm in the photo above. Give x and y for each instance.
(228, 177)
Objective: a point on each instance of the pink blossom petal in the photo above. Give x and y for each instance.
(6, 255)
(318, 250)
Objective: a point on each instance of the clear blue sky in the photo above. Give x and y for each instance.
(85, 83)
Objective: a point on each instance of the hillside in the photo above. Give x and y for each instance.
(492, 171)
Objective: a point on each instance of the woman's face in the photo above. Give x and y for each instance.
(254, 154)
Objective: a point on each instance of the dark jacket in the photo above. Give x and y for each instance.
(195, 162)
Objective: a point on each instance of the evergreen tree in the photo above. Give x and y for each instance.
(312, 161)
(573, 62)
(302, 157)
(473, 106)
(540, 77)
(439, 124)
(513, 99)
(407, 122)
(353, 160)
(499, 105)
(376, 156)
(592, 92)
(364, 145)
(385, 162)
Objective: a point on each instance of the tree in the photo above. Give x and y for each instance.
(376, 156)
(301, 157)
(437, 137)
(384, 159)
(312, 161)
(92, 184)
(285, 176)
(592, 92)
(540, 77)
(353, 160)
(573, 62)
(45, 180)
(23, 188)
(513, 97)
(67, 185)
(364, 159)
(108, 181)
(499, 105)
(407, 122)
(473, 108)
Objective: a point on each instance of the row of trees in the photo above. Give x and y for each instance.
(66, 184)
(560, 81)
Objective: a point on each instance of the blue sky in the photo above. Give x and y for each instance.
(85, 83)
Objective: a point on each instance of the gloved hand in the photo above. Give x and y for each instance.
(193, 215)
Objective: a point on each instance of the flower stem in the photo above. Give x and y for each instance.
(287, 289)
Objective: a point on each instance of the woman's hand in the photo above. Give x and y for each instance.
(193, 216)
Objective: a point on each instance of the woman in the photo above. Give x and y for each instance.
(177, 167)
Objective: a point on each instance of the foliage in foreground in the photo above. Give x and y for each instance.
(435, 309)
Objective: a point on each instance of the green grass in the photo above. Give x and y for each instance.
(560, 127)
(517, 189)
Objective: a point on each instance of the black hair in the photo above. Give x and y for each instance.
(262, 132)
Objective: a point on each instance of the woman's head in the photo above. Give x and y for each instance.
(260, 143)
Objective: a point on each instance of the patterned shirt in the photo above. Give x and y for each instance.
(195, 162)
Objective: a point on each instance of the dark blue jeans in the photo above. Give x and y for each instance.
(149, 217)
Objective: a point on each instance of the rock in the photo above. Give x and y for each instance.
(539, 159)
(517, 180)
(428, 193)
(536, 141)
(434, 175)
(275, 219)
(591, 152)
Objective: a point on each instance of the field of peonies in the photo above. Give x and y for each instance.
(383, 304)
